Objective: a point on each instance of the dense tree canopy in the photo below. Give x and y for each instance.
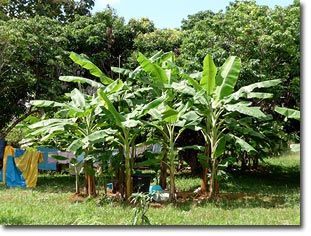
(164, 39)
(267, 40)
(62, 10)
(32, 57)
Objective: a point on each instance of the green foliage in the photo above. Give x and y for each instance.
(32, 58)
(33, 55)
(267, 41)
(142, 204)
(103, 37)
(165, 40)
(215, 101)
(289, 113)
(62, 10)
(140, 26)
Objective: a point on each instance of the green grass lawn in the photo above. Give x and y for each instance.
(257, 198)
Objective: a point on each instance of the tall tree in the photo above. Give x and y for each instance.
(32, 58)
(266, 39)
(62, 10)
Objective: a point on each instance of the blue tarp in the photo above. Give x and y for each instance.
(14, 177)
(47, 164)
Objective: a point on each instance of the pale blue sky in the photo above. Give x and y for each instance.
(169, 13)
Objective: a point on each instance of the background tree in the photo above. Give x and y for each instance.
(62, 10)
(140, 26)
(161, 39)
(33, 57)
(267, 40)
(104, 37)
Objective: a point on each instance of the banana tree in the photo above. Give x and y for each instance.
(80, 122)
(119, 109)
(290, 114)
(174, 115)
(170, 122)
(128, 125)
(216, 100)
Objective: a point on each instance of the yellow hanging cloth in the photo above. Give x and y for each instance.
(8, 151)
(28, 165)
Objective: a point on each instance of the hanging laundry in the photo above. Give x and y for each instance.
(48, 163)
(28, 165)
(8, 151)
(14, 177)
(68, 155)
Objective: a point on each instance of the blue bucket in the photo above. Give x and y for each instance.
(2, 146)
(155, 188)
(109, 186)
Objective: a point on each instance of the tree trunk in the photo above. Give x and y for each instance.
(216, 187)
(172, 175)
(172, 183)
(128, 174)
(204, 181)
(244, 162)
(205, 171)
(212, 179)
(163, 170)
(77, 181)
(90, 187)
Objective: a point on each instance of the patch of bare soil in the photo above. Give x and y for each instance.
(77, 197)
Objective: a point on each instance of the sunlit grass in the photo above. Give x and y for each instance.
(269, 198)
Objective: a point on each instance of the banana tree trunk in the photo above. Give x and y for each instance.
(172, 173)
(77, 180)
(205, 171)
(204, 181)
(172, 183)
(90, 187)
(213, 180)
(163, 170)
(128, 174)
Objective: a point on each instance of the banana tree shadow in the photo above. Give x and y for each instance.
(57, 183)
(268, 187)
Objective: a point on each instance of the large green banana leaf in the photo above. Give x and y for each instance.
(46, 103)
(81, 80)
(155, 70)
(46, 123)
(245, 109)
(245, 146)
(114, 87)
(110, 107)
(246, 91)
(289, 113)
(227, 77)
(208, 75)
(77, 98)
(93, 69)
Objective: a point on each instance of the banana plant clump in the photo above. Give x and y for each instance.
(155, 103)
(216, 103)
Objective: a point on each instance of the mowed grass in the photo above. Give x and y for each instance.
(269, 197)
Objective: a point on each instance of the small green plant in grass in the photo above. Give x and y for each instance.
(142, 203)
